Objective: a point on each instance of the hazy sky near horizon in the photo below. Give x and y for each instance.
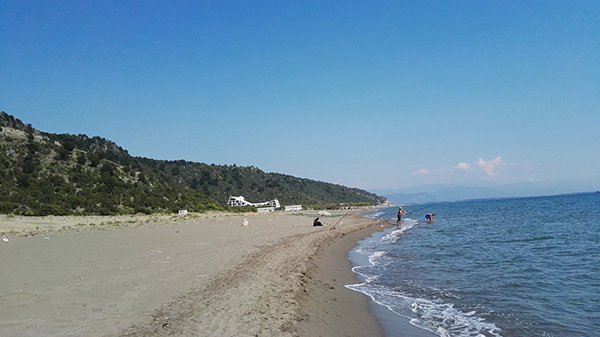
(372, 94)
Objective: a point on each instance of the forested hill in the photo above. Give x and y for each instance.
(43, 173)
(221, 181)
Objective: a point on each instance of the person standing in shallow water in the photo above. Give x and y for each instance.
(401, 212)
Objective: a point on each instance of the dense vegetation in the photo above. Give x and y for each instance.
(221, 181)
(43, 173)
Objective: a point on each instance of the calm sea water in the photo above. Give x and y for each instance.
(510, 267)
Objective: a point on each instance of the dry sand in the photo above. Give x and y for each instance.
(201, 276)
(16, 225)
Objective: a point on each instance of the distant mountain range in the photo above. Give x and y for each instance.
(438, 193)
(43, 173)
(442, 193)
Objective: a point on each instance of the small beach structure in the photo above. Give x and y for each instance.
(241, 201)
(183, 212)
(265, 209)
(293, 208)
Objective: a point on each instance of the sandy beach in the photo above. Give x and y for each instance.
(203, 275)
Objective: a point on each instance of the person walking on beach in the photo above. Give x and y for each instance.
(317, 222)
(401, 212)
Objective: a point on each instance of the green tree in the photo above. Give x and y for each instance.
(94, 159)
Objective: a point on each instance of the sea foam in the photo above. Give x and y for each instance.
(376, 256)
(396, 234)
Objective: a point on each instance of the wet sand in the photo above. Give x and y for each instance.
(331, 309)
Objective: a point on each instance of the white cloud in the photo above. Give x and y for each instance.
(490, 167)
(462, 166)
(421, 172)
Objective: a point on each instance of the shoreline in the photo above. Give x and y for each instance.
(392, 324)
(335, 310)
(331, 309)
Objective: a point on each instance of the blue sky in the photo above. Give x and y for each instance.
(372, 94)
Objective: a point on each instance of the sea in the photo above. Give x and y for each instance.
(524, 267)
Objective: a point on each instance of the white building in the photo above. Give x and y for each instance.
(240, 201)
(293, 208)
(265, 209)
